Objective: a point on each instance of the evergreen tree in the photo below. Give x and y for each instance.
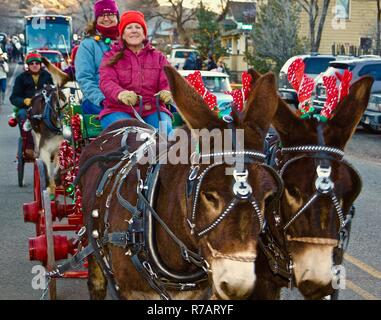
(275, 35)
(208, 35)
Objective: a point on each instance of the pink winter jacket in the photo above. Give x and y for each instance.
(142, 73)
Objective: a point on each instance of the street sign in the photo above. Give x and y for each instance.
(247, 27)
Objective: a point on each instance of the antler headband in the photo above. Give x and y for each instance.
(195, 80)
(305, 85)
(240, 95)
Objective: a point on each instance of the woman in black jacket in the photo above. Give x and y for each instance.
(26, 85)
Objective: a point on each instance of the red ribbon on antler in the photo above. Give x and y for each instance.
(305, 85)
(302, 84)
(195, 80)
(332, 97)
(241, 95)
(345, 80)
(335, 94)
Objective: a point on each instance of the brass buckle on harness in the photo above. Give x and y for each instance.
(241, 187)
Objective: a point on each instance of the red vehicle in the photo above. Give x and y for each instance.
(54, 57)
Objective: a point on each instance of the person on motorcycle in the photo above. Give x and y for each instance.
(133, 68)
(25, 87)
(100, 34)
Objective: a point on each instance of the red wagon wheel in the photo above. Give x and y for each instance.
(40, 184)
(20, 163)
(51, 261)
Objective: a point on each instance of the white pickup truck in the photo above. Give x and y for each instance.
(177, 57)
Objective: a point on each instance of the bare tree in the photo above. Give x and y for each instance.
(86, 10)
(179, 16)
(317, 18)
(224, 4)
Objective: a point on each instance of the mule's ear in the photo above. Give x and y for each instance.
(60, 78)
(255, 75)
(285, 121)
(261, 105)
(192, 108)
(349, 112)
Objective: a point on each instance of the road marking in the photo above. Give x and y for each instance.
(363, 266)
(361, 292)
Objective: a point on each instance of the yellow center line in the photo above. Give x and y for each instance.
(363, 266)
(361, 292)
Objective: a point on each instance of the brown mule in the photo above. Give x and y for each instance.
(309, 236)
(228, 247)
(46, 126)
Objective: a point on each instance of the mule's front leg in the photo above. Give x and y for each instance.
(45, 156)
(97, 283)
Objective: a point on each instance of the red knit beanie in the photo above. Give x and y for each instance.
(33, 56)
(132, 17)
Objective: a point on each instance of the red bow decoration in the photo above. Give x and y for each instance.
(303, 85)
(241, 95)
(195, 80)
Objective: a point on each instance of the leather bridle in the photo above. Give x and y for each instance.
(278, 255)
(50, 111)
(242, 190)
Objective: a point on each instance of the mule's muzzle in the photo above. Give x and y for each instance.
(233, 280)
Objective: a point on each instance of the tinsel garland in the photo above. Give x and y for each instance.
(69, 160)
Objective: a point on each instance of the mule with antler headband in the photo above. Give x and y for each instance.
(308, 232)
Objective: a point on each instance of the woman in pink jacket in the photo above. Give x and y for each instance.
(133, 68)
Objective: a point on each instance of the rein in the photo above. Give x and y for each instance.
(242, 191)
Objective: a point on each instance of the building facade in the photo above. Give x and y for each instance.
(236, 36)
(350, 27)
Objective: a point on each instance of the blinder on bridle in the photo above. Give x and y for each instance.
(242, 190)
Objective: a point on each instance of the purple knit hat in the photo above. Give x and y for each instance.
(105, 6)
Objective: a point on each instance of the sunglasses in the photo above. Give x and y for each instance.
(34, 63)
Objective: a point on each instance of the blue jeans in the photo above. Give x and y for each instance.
(90, 108)
(21, 118)
(3, 85)
(21, 114)
(152, 119)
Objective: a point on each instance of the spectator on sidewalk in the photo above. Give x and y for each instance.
(190, 61)
(211, 63)
(4, 69)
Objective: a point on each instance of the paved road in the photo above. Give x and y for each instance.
(363, 261)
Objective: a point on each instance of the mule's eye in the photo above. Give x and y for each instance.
(293, 191)
(210, 197)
